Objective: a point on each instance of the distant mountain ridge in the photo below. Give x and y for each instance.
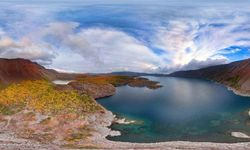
(235, 75)
(129, 73)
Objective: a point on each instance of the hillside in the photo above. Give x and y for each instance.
(98, 86)
(34, 108)
(127, 73)
(235, 75)
(15, 70)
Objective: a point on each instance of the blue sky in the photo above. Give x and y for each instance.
(117, 35)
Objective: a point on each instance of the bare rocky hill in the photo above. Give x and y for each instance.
(235, 75)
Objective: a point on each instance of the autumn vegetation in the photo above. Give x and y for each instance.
(119, 80)
(33, 107)
(104, 79)
(41, 96)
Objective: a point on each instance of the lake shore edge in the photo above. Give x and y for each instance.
(239, 92)
(101, 122)
(99, 140)
(108, 144)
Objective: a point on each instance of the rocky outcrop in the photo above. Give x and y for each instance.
(240, 135)
(33, 130)
(94, 90)
(100, 86)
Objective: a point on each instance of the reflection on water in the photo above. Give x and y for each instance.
(184, 109)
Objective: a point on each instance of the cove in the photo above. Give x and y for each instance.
(182, 110)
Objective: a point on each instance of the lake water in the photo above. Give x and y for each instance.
(183, 109)
(61, 82)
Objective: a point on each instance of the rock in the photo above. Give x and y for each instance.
(123, 121)
(94, 90)
(114, 133)
(239, 135)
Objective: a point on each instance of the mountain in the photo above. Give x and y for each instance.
(235, 75)
(128, 73)
(15, 70)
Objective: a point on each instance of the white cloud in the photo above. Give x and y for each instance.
(118, 50)
(177, 39)
(82, 50)
(187, 42)
(105, 49)
(189, 36)
(25, 49)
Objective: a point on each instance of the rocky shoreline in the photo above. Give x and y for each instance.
(239, 92)
(100, 122)
(100, 142)
(104, 143)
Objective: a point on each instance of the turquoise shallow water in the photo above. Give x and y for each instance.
(184, 109)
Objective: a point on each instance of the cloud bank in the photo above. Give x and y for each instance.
(161, 37)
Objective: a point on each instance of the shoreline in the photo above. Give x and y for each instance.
(238, 92)
(99, 140)
(100, 123)
(108, 144)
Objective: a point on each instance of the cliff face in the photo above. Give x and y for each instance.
(235, 75)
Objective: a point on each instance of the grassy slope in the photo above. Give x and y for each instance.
(41, 96)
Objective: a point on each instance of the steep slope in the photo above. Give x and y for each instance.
(15, 70)
(236, 75)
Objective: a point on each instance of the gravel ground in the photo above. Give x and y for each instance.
(100, 123)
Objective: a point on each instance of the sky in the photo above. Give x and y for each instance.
(159, 36)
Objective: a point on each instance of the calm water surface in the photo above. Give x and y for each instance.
(184, 109)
